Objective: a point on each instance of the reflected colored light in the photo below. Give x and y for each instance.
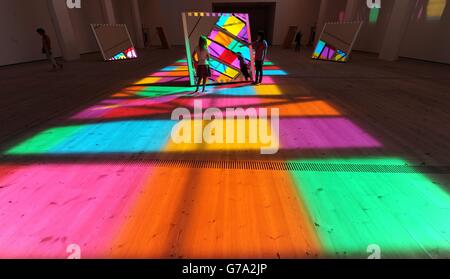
(234, 25)
(435, 8)
(171, 74)
(148, 80)
(230, 43)
(275, 72)
(306, 133)
(126, 108)
(262, 90)
(324, 51)
(223, 135)
(152, 91)
(111, 137)
(306, 108)
(223, 54)
(373, 16)
(223, 69)
(174, 68)
(155, 91)
(403, 213)
(126, 54)
(341, 16)
(232, 214)
(50, 206)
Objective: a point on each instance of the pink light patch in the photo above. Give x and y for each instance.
(45, 208)
(311, 133)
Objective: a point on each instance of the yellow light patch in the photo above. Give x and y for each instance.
(234, 25)
(231, 72)
(148, 80)
(222, 134)
(267, 90)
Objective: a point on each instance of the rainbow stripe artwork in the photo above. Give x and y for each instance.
(111, 179)
(337, 39)
(127, 54)
(325, 51)
(114, 41)
(228, 39)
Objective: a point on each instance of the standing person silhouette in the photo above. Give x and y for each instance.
(298, 41)
(260, 46)
(201, 56)
(47, 49)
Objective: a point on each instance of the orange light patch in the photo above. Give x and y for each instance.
(307, 108)
(171, 74)
(216, 213)
(268, 90)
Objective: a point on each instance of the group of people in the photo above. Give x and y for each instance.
(201, 55)
(203, 71)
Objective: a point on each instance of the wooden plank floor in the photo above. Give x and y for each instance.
(77, 149)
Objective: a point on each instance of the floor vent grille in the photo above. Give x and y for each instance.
(299, 166)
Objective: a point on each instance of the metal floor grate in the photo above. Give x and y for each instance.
(298, 166)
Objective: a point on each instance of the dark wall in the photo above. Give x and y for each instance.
(262, 15)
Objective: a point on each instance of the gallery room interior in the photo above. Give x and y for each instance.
(322, 131)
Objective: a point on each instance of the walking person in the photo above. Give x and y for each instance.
(47, 49)
(203, 70)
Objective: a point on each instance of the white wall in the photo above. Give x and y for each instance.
(167, 13)
(18, 22)
(335, 8)
(427, 38)
(91, 12)
(124, 15)
(371, 36)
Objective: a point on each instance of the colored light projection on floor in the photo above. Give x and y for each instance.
(47, 207)
(402, 213)
(214, 213)
(122, 209)
(127, 54)
(324, 51)
(228, 37)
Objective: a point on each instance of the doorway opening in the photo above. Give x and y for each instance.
(262, 15)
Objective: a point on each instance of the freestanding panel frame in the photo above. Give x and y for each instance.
(223, 43)
(336, 41)
(114, 41)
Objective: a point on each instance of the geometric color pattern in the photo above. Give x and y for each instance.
(325, 51)
(227, 37)
(343, 201)
(127, 54)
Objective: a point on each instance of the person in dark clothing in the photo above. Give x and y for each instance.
(260, 46)
(243, 66)
(298, 41)
(47, 49)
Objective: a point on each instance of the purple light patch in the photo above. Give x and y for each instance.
(311, 133)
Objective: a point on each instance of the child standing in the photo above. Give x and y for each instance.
(243, 66)
(202, 55)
